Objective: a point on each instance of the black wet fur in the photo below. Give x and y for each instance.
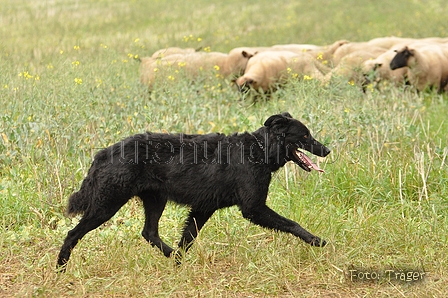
(204, 172)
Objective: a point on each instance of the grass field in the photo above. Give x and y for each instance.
(69, 85)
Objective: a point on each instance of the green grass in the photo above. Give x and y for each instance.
(69, 86)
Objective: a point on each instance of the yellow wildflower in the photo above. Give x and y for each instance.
(98, 82)
(26, 75)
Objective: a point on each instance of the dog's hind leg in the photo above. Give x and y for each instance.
(263, 216)
(154, 207)
(88, 222)
(194, 223)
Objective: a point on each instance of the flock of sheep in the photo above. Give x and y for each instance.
(422, 63)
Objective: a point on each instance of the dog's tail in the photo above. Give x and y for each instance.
(86, 198)
(79, 202)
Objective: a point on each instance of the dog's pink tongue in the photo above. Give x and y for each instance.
(309, 162)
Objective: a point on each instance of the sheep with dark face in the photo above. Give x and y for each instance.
(378, 69)
(427, 63)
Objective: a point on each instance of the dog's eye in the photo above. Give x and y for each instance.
(305, 137)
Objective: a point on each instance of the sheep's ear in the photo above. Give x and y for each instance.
(246, 54)
(277, 119)
(411, 52)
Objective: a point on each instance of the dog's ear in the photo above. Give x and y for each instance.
(282, 118)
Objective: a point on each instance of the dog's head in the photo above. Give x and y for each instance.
(294, 135)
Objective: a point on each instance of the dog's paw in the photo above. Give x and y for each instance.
(318, 242)
(61, 268)
(177, 256)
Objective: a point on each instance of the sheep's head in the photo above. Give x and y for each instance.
(238, 62)
(244, 83)
(401, 59)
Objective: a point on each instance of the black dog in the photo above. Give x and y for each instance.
(205, 172)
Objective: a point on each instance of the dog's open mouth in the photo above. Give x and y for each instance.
(305, 162)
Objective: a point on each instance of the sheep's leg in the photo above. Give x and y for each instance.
(195, 221)
(88, 222)
(154, 207)
(443, 85)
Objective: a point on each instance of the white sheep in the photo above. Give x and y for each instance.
(392, 41)
(427, 63)
(350, 65)
(192, 64)
(268, 69)
(351, 47)
(321, 53)
(389, 41)
(172, 50)
(380, 70)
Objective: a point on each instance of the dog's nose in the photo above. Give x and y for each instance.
(325, 151)
(319, 149)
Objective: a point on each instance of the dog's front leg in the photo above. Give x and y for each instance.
(154, 207)
(263, 216)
